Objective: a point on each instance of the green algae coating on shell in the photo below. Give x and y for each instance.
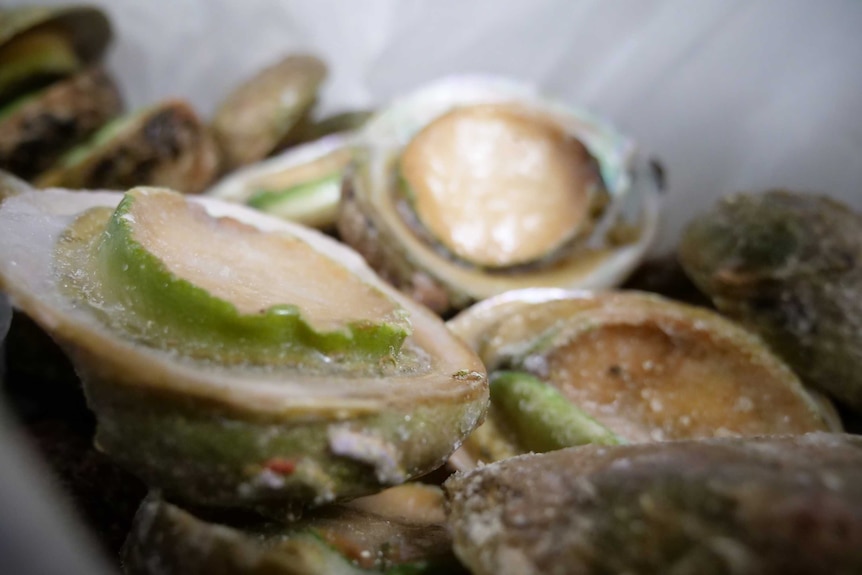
(401, 530)
(376, 221)
(258, 116)
(86, 30)
(789, 267)
(643, 367)
(301, 184)
(210, 433)
(38, 129)
(742, 506)
(161, 145)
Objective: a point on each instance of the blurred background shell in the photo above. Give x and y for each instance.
(724, 92)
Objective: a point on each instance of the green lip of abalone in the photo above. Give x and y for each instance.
(192, 319)
(543, 418)
(297, 201)
(102, 137)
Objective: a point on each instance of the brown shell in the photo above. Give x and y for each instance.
(36, 133)
(757, 506)
(167, 145)
(257, 117)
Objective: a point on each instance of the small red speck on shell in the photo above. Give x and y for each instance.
(280, 466)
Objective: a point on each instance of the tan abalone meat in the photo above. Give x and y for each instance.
(473, 186)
